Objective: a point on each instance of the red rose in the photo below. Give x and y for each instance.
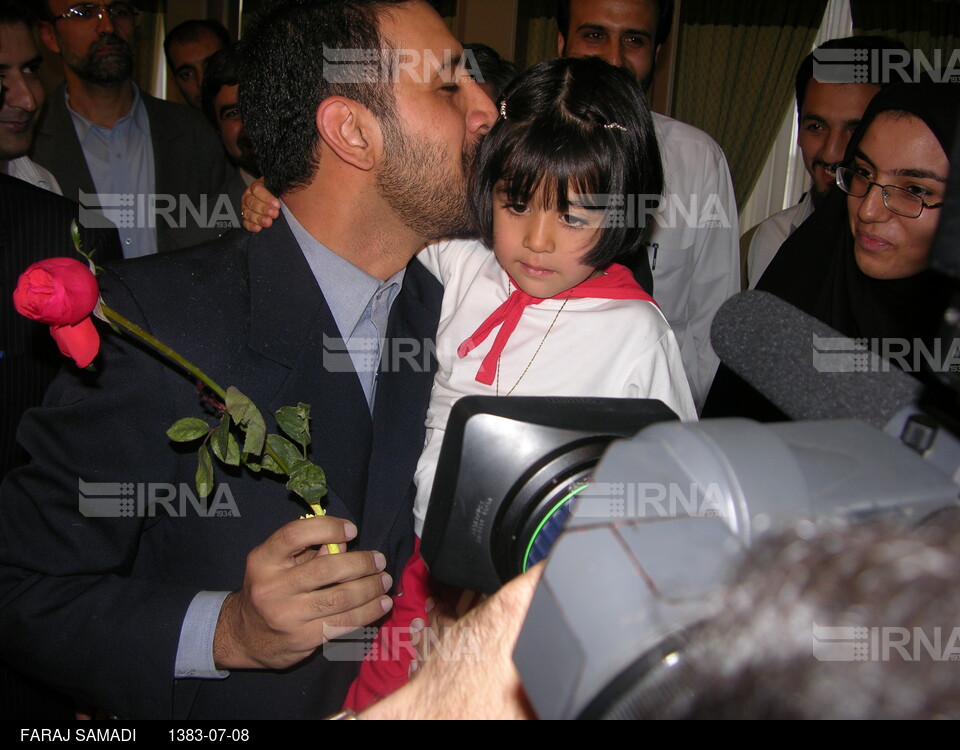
(62, 292)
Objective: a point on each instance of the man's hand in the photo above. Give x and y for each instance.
(259, 207)
(471, 675)
(294, 593)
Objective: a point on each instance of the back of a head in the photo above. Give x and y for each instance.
(290, 60)
(193, 30)
(856, 623)
(572, 125)
(495, 70)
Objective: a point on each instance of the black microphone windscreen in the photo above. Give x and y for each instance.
(806, 368)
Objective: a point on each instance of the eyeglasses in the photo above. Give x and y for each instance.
(898, 200)
(120, 13)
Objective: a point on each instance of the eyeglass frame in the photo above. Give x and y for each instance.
(69, 15)
(884, 194)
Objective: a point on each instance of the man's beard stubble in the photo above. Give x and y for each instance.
(105, 70)
(427, 195)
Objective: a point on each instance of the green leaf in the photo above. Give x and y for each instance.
(224, 444)
(308, 481)
(75, 236)
(295, 421)
(269, 464)
(253, 463)
(187, 429)
(204, 472)
(288, 453)
(246, 414)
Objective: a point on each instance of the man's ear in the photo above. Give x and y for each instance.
(48, 36)
(350, 130)
(560, 44)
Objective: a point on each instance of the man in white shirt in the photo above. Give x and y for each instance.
(828, 113)
(23, 97)
(695, 264)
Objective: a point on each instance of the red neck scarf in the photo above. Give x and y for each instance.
(617, 282)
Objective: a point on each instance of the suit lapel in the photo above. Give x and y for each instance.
(292, 325)
(57, 148)
(403, 393)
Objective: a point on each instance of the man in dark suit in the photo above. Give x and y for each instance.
(34, 225)
(113, 608)
(100, 134)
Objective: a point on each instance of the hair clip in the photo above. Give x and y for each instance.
(503, 108)
(615, 126)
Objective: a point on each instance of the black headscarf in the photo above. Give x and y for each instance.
(815, 269)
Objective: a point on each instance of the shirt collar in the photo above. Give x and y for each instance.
(137, 115)
(347, 290)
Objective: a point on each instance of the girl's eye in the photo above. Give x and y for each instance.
(573, 221)
(862, 171)
(517, 208)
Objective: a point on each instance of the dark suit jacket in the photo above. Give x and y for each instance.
(34, 224)
(188, 160)
(98, 602)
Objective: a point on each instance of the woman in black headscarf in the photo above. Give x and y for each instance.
(860, 262)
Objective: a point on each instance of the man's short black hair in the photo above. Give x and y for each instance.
(191, 31)
(284, 77)
(664, 22)
(572, 125)
(221, 71)
(18, 11)
(495, 70)
(805, 72)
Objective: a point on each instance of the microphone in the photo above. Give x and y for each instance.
(806, 368)
(811, 371)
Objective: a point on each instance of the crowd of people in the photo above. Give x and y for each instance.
(466, 213)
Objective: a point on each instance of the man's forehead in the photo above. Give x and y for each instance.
(620, 15)
(17, 38)
(824, 99)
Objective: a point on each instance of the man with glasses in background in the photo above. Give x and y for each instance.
(145, 161)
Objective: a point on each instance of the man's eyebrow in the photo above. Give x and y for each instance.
(449, 66)
(922, 174)
(814, 117)
(604, 29)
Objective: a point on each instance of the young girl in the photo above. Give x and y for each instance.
(546, 312)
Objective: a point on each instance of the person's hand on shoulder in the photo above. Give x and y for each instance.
(259, 207)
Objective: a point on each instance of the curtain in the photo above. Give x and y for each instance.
(150, 66)
(536, 32)
(924, 25)
(736, 62)
(783, 179)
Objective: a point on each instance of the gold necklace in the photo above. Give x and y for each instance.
(539, 346)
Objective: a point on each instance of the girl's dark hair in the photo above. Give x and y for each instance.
(553, 138)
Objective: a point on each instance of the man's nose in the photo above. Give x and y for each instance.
(612, 53)
(481, 112)
(105, 22)
(834, 148)
(17, 94)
